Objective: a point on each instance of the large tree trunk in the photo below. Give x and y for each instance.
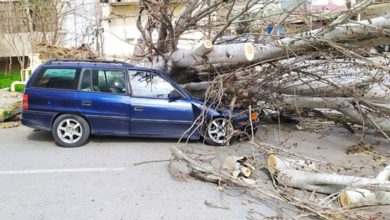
(351, 33)
(303, 175)
(354, 34)
(227, 54)
(354, 111)
(300, 175)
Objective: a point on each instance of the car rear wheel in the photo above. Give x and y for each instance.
(70, 130)
(217, 132)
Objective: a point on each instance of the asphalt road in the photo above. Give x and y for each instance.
(39, 180)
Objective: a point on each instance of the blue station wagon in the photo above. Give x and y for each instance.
(76, 98)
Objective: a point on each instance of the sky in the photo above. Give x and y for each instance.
(321, 2)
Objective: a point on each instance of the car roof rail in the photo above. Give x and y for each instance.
(117, 62)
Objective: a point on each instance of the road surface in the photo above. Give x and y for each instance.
(39, 180)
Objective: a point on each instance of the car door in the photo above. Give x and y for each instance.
(103, 99)
(152, 112)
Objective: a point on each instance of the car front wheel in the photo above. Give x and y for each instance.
(217, 132)
(70, 130)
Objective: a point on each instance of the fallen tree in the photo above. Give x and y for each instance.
(299, 83)
(299, 174)
(354, 111)
(264, 191)
(324, 68)
(356, 34)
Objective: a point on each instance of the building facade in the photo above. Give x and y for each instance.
(26, 23)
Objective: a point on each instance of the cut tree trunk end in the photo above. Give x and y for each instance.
(364, 197)
(274, 164)
(301, 174)
(368, 197)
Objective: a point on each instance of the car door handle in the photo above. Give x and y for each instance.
(86, 103)
(138, 108)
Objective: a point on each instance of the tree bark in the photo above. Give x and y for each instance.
(300, 175)
(355, 112)
(230, 54)
(352, 33)
(364, 197)
(367, 197)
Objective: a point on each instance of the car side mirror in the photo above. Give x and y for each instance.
(174, 94)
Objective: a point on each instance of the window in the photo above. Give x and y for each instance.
(108, 81)
(57, 79)
(86, 83)
(147, 84)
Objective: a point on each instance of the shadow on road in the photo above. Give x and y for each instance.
(45, 136)
(114, 139)
(41, 136)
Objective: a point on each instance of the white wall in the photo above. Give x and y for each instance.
(120, 31)
(79, 24)
(14, 45)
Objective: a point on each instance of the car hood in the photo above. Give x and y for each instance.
(237, 114)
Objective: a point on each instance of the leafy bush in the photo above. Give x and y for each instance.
(7, 79)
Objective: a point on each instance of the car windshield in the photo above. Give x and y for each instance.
(150, 84)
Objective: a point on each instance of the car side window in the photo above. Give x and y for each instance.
(86, 83)
(148, 84)
(57, 79)
(108, 81)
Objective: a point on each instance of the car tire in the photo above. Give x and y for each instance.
(70, 130)
(215, 131)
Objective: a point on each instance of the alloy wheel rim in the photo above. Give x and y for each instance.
(218, 130)
(69, 131)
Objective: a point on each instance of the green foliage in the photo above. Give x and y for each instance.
(7, 79)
